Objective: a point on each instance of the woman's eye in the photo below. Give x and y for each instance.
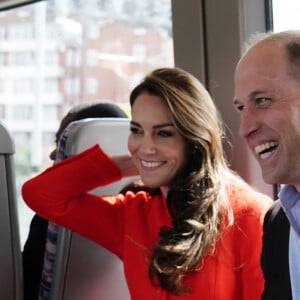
(164, 133)
(135, 130)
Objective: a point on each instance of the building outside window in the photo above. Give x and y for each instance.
(55, 54)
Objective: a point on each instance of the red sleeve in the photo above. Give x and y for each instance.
(60, 194)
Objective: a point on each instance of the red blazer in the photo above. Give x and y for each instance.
(128, 226)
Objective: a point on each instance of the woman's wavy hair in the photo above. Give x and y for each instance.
(197, 196)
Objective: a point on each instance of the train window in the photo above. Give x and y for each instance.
(55, 54)
(285, 15)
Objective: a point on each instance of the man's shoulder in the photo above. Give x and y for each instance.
(276, 216)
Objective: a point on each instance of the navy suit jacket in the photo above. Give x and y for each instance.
(275, 255)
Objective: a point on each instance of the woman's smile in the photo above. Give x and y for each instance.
(157, 148)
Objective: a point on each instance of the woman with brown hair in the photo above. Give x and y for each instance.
(194, 229)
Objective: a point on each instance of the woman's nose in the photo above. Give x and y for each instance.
(148, 146)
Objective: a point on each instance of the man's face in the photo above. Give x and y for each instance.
(268, 99)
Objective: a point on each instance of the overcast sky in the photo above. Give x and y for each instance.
(286, 14)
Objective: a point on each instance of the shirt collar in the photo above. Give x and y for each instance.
(290, 202)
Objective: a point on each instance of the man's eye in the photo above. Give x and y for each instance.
(262, 101)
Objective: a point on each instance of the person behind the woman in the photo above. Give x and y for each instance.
(195, 230)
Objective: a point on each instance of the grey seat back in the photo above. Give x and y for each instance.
(11, 286)
(84, 270)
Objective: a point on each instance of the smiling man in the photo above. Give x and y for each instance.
(267, 95)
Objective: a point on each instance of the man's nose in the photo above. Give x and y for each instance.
(248, 124)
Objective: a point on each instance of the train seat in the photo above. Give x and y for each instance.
(83, 269)
(10, 259)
